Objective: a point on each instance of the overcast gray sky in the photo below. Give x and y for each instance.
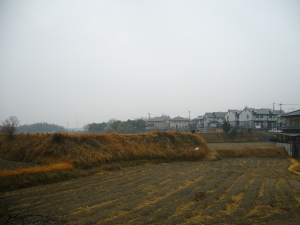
(63, 61)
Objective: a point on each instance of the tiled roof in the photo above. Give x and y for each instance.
(294, 113)
(210, 115)
(233, 110)
(178, 118)
(156, 119)
(264, 111)
(220, 114)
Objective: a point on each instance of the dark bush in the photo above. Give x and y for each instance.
(58, 138)
(234, 132)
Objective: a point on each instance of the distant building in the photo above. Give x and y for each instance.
(258, 118)
(157, 123)
(232, 116)
(179, 123)
(213, 120)
(197, 122)
(289, 138)
(292, 122)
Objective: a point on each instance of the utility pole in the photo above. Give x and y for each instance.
(189, 115)
(149, 115)
(280, 124)
(280, 108)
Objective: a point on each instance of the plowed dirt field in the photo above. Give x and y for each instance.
(228, 191)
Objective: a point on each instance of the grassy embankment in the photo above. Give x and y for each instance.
(226, 151)
(221, 137)
(62, 156)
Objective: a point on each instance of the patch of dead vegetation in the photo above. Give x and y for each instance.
(295, 167)
(233, 204)
(261, 211)
(38, 169)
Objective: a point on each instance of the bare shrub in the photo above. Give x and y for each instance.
(9, 126)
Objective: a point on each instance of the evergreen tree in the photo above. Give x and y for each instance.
(226, 126)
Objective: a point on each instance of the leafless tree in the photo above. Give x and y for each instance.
(9, 126)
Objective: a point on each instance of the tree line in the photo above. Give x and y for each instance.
(117, 126)
(40, 128)
(10, 126)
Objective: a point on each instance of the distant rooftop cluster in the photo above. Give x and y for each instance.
(263, 118)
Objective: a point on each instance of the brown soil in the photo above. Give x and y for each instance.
(255, 190)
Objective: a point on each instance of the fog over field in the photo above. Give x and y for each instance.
(77, 62)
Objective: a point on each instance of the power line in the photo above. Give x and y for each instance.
(289, 104)
(262, 105)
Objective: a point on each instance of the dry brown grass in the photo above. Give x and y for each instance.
(38, 169)
(89, 150)
(265, 151)
(221, 137)
(295, 167)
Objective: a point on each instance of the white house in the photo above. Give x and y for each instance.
(258, 118)
(213, 120)
(157, 123)
(198, 122)
(179, 123)
(232, 116)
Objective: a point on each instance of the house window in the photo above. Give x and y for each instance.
(270, 116)
(296, 121)
(247, 117)
(257, 116)
(261, 116)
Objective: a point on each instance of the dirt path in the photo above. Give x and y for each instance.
(228, 191)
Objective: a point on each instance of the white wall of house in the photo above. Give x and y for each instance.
(231, 118)
(246, 118)
(219, 119)
(159, 125)
(207, 119)
(179, 124)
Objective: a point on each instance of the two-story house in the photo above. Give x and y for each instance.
(258, 118)
(290, 136)
(198, 122)
(213, 120)
(179, 123)
(157, 123)
(292, 122)
(232, 116)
